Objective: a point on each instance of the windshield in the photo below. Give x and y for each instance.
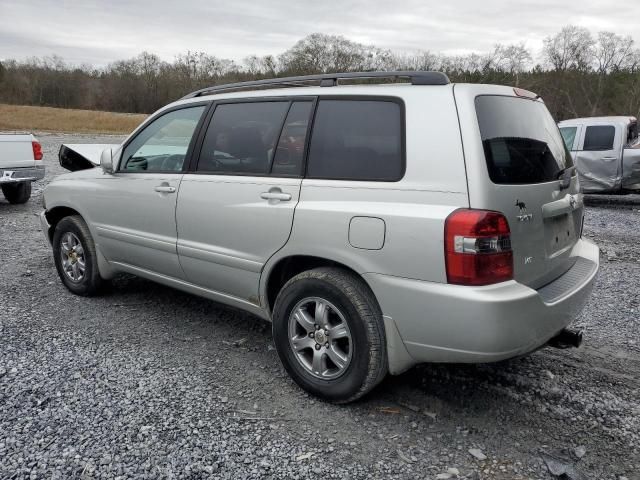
(521, 141)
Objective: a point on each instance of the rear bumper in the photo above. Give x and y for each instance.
(449, 323)
(24, 174)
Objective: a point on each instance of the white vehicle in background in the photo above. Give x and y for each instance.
(606, 151)
(20, 164)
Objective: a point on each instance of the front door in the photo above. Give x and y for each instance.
(236, 210)
(598, 159)
(135, 219)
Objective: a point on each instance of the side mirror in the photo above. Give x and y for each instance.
(106, 160)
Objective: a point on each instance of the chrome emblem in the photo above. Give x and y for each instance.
(524, 216)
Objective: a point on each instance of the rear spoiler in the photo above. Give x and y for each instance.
(76, 157)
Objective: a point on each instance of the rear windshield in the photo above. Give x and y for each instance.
(521, 141)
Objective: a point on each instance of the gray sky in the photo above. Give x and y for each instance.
(100, 31)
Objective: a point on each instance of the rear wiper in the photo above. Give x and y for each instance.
(565, 175)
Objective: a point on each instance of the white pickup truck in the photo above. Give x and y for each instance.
(606, 152)
(20, 164)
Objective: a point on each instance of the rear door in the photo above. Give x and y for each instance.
(631, 159)
(599, 157)
(235, 210)
(514, 155)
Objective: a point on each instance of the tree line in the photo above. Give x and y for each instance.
(577, 73)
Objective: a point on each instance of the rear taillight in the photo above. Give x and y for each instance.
(477, 247)
(37, 150)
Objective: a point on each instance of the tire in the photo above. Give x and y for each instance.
(68, 231)
(17, 192)
(364, 345)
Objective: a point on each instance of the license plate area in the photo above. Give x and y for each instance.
(560, 234)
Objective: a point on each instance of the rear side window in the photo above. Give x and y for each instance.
(599, 137)
(242, 137)
(569, 136)
(357, 140)
(521, 141)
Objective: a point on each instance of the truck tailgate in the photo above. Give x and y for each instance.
(16, 151)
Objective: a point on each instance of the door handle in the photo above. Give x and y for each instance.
(165, 189)
(609, 159)
(275, 194)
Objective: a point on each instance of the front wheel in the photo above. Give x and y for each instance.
(328, 331)
(17, 192)
(74, 254)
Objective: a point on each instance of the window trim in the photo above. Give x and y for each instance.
(152, 118)
(290, 99)
(403, 138)
(613, 143)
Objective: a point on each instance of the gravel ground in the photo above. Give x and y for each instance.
(148, 382)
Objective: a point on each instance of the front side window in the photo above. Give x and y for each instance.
(162, 145)
(569, 136)
(599, 137)
(242, 138)
(521, 141)
(357, 140)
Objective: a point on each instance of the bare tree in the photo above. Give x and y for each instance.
(571, 48)
(580, 76)
(513, 59)
(613, 52)
(422, 60)
(327, 53)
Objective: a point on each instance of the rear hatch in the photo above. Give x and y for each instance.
(16, 151)
(514, 156)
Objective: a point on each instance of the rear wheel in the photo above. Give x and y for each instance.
(75, 256)
(17, 192)
(329, 334)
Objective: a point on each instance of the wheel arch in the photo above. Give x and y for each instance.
(287, 267)
(55, 214)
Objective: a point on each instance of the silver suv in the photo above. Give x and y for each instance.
(376, 225)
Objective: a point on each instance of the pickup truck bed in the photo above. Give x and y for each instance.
(20, 164)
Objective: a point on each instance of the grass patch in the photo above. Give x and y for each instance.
(48, 119)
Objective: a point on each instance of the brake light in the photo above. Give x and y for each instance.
(37, 150)
(521, 92)
(477, 247)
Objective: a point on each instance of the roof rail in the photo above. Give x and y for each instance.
(326, 80)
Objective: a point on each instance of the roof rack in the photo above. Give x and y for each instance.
(326, 80)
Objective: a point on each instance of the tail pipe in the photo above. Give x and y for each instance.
(567, 338)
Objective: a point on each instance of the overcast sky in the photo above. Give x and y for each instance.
(100, 31)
